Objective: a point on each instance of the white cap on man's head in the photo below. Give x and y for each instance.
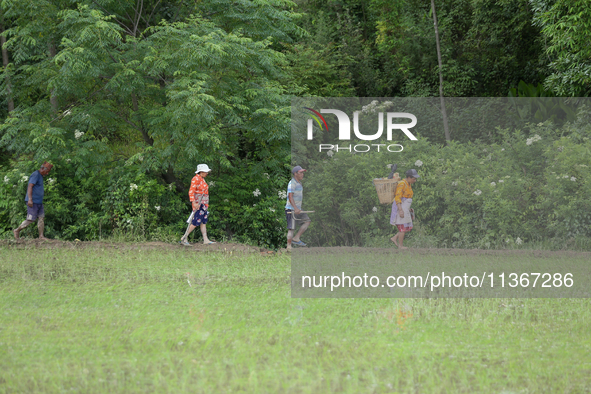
(202, 168)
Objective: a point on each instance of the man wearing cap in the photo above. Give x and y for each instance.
(293, 208)
(34, 200)
(401, 215)
(199, 196)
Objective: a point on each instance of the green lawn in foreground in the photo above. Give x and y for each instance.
(112, 321)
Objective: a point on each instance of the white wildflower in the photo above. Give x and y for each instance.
(501, 181)
(418, 163)
(282, 194)
(68, 160)
(374, 209)
(565, 176)
(502, 149)
(389, 166)
(226, 200)
(51, 181)
(170, 186)
(518, 241)
(78, 134)
(560, 148)
(254, 205)
(477, 192)
(6, 179)
(212, 184)
(257, 193)
(330, 153)
(24, 178)
(493, 184)
(572, 178)
(454, 183)
(133, 186)
(157, 207)
(272, 209)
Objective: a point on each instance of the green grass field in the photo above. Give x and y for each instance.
(170, 321)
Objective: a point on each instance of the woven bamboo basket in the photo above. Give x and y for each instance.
(386, 188)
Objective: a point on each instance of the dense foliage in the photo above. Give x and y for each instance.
(127, 97)
(533, 186)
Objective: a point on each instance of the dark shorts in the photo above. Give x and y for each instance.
(34, 212)
(292, 217)
(200, 216)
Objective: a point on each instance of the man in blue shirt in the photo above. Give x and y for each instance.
(293, 208)
(34, 200)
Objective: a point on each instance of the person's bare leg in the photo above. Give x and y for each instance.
(190, 229)
(303, 228)
(23, 225)
(395, 239)
(203, 229)
(41, 228)
(401, 240)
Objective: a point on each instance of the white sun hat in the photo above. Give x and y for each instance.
(202, 168)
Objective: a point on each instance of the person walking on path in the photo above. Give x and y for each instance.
(199, 196)
(293, 208)
(34, 200)
(401, 211)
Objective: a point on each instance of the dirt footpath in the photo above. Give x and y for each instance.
(25, 243)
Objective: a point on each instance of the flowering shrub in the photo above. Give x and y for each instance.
(532, 186)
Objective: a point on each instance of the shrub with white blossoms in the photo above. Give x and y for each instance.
(51, 181)
(533, 139)
(6, 179)
(493, 184)
(518, 241)
(272, 209)
(374, 209)
(572, 178)
(78, 134)
(477, 192)
(157, 207)
(371, 107)
(501, 181)
(418, 163)
(282, 194)
(257, 193)
(24, 178)
(133, 186)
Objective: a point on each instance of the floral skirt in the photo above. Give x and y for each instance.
(200, 216)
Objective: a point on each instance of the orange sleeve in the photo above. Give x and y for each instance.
(399, 192)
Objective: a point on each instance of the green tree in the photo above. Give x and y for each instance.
(566, 27)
